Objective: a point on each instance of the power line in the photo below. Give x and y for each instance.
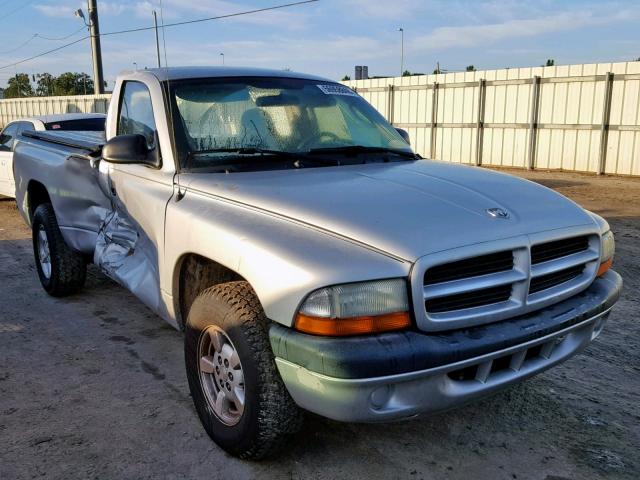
(141, 29)
(219, 17)
(60, 38)
(44, 53)
(37, 35)
(21, 45)
(28, 2)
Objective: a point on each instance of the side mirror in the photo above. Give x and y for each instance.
(404, 134)
(131, 149)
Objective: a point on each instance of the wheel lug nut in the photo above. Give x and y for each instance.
(226, 362)
(217, 369)
(219, 360)
(231, 376)
(228, 386)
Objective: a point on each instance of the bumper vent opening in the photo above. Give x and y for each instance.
(483, 371)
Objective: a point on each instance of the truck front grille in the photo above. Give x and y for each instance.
(508, 282)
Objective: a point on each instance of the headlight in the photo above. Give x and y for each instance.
(608, 246)
(607, 251)
(355, 309)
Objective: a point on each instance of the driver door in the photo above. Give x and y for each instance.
(140, 193)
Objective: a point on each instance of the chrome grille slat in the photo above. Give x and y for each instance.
(473, 284)
(562, 263)
(553, 279)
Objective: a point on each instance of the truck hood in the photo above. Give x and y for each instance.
(406, 209)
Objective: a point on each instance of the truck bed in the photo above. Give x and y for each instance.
(66, 164)
(92, 142)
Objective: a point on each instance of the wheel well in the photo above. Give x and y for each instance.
(197, 273)
(37, 194)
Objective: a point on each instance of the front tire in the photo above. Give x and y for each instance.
(62, 271)
(234, 382)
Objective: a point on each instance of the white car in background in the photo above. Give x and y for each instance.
(87, 122)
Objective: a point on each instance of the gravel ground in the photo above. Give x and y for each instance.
(93, 386)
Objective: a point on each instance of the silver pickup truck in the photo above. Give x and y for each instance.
(312, 259)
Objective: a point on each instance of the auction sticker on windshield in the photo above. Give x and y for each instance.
(337, 90)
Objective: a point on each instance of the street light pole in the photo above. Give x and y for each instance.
(222, 55)
(401, 30)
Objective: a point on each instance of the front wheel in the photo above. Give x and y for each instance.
(62, 271)
(236, 388)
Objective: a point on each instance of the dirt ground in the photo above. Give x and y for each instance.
(93, 386)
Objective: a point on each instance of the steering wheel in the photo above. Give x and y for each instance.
(329, 136)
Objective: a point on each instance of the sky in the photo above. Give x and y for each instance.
(328, 37)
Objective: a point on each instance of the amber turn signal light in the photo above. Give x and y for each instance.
(342, 327)
(605, 266)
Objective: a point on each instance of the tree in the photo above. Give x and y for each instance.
(346, 78)
(406, 73)
(73, 83)
(471, 68)
(45, 84)
(550, 63)
(18, 86)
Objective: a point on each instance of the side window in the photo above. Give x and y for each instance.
(7, 136)
(24, 127)
(136, 112)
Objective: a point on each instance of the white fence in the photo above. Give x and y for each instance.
(15, 108)
(576, 117)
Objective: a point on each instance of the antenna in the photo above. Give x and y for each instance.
(169, 101)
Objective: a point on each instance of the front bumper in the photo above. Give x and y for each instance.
(396, 375)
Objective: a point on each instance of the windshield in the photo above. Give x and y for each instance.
(219, 120)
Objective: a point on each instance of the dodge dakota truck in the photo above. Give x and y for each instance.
(312, 259)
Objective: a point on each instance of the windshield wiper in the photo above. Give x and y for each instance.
(300, 159)
(243, 151)
(357, 149)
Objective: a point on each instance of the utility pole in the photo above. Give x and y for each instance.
(96, 51)
(155, 24)
(401, 30)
